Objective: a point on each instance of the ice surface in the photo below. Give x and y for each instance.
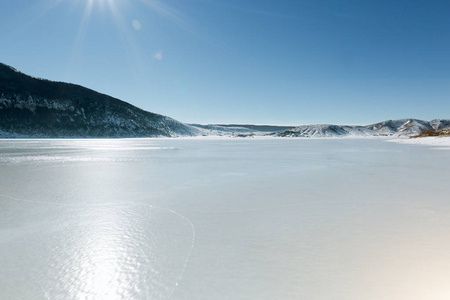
(444, 142)
(224, 218)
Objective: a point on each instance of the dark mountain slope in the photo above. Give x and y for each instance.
(37, 107)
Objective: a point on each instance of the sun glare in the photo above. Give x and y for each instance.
(123, 16)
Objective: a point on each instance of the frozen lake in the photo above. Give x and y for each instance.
(343, 219)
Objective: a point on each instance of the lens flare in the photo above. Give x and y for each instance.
(136, 25)
(158, 55)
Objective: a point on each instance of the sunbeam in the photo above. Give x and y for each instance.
(137, 57)
(81, 33)
(124, 24)
(111, 8)
(170, 14)
(39, 10)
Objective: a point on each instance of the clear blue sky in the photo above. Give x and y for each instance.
(232, 61)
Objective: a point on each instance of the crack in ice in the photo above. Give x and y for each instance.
(123, 205)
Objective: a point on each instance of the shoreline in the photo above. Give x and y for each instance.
(440, 141)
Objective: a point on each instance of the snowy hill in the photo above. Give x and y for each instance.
(439, 124)
(402, 127)
(40, 108)
(212, 129)
(238, 130)
(324, 130)
(396, 128)
(257, 128)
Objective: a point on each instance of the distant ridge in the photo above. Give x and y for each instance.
(399, 128)
(241, 128)
(264, 128)
(36, 107)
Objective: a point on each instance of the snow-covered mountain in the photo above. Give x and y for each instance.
(402, 127)
(40, 108)
(239, 130)
(398, 128)
(256, 128)
(439, 124)
(324, 130)
(212, 129)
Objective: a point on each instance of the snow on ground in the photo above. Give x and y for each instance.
(429, 141)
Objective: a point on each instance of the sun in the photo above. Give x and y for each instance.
(101, 4)
(127, 25)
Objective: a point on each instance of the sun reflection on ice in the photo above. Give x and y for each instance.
(122, 253)
(102, 258)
